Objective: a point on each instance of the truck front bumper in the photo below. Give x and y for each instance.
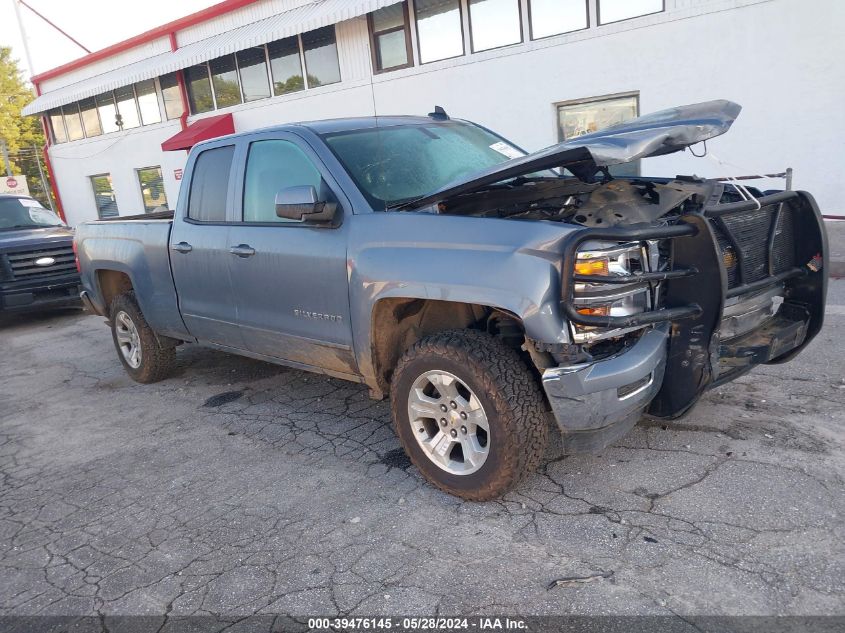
(595, 404)
(57, 293)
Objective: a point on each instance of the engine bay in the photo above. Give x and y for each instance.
(596, 205)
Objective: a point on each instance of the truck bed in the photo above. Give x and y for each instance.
(136, 245)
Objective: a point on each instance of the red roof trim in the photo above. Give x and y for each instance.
(221, 8)
(202, 130)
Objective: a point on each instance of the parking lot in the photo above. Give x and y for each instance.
(238, 487)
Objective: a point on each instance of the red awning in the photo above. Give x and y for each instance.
(202, 130)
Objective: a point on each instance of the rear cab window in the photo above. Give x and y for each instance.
(210, 184)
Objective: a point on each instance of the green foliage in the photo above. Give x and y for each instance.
(20, 133)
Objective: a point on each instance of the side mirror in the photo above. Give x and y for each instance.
(303, 204)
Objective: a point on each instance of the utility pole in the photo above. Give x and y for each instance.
(5, 151)
(23, 37)
(44, 186)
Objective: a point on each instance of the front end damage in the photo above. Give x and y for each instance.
(669, 286)
(737, 284)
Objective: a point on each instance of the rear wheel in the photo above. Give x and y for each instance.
(469, 413)
(139, 350)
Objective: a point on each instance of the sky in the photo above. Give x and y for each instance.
(95, 23)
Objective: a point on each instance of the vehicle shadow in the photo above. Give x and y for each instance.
(47, 318)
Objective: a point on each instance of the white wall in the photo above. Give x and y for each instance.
(780, 59)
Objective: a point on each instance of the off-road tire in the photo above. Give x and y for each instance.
(511, 398)
(157, 361)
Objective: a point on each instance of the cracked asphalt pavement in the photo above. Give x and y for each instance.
(238, 488)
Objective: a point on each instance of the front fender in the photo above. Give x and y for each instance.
(505, 264)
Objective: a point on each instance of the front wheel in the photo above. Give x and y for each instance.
(469, 413)
(143, 357)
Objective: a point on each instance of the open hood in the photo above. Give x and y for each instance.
(655, 134)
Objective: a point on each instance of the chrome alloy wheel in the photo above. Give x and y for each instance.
(448, 422)
(128, 339)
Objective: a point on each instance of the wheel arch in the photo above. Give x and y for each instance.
(397, 323)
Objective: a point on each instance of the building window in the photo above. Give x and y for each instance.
(104, 196)
(252, 67)
(90, 118)
(152, 189)
(171, 95)
(148, 102)
(224, 80)
(321, 63)
(73, 122)
(286, 66)
(494, 23)
(576, 118)
(440, 33)
(200, 98)
(210, 184)
(127, 108)
(617, 10)
(553, 17)
(108, 112)
(390, 38)
(272, 166)
(57, 124)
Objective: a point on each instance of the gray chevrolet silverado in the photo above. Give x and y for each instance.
(481, 287)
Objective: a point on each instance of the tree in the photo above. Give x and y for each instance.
(23, 135)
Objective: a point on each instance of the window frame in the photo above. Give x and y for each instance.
(237, 73)
(635, 94)
(91, 178)
(301, 59)
(267, 74)
(78, 113)
(61, 117)
(234, 168)
(472, 50)
(210, 88)
(177, 85)
(531, 36)
(463, 36)
(409, 46)
(302, 56)
(633, 17)
(328, 178)
(138, 171)
(156, 93)
(96, 113)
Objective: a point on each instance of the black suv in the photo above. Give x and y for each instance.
(37, 263)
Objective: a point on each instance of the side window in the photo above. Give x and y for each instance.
(210, 185)
(271, 166)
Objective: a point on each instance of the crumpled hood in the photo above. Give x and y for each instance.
(655, 134)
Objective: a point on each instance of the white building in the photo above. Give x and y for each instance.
(536, 71)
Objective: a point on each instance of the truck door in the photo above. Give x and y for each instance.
(289, 276)
(199, 244)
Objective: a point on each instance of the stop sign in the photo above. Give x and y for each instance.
(11, 183)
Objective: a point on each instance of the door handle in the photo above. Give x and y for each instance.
(182, 247)
(242, 250)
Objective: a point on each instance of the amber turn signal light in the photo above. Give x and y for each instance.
(591, 266)
(595, 311)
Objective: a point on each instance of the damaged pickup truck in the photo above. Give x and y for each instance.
(481, 287)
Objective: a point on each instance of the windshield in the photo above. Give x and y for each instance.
(25, 213)
(400, 163)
